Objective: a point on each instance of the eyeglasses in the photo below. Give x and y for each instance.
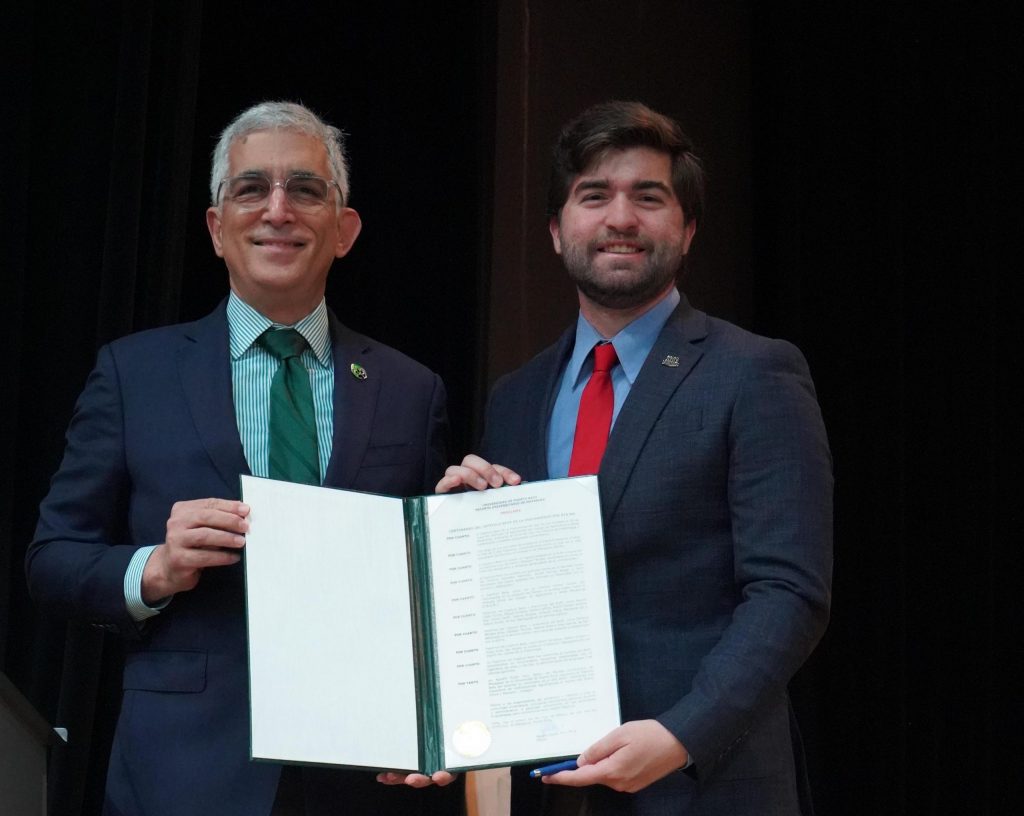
(252, 190)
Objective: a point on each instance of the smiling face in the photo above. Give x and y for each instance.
(622, 233)
(278, 256)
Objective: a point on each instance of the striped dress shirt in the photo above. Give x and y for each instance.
(252, 370)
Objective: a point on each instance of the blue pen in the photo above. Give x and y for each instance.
(547, 770)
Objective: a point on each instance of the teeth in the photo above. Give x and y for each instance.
(620, 249)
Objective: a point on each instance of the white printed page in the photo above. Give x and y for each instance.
(330, 631)
(524, 640)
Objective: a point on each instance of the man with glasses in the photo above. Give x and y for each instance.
(142, 530)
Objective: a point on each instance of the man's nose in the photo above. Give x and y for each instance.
(621, 214)
(278, 209)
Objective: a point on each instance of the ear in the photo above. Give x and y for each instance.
(556, 234)
(214, 226)
(689, 229)
(349, 227)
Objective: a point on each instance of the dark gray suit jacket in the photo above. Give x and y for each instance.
(716, 491)
(156, 425)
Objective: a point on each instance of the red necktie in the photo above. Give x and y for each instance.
(595, 417)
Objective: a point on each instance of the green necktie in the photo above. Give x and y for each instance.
(294, 455)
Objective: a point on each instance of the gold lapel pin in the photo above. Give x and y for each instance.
(358, 371)
(671, 361)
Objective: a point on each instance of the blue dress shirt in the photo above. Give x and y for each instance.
(632, 345)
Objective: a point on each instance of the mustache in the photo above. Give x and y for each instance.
(614, 237)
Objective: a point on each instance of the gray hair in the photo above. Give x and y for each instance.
(280, 116)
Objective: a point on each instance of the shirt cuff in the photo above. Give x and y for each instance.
(137, 608)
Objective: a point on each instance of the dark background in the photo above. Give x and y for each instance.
(864, 203)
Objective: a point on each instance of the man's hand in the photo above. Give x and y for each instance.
(441, 778)
(477, 474)
(628, 759)
(200, 533)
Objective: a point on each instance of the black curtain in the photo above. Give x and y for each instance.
(887, 218)
(105, 103)
(885, 213)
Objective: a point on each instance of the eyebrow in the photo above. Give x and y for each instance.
(603, 184)
(261, 172)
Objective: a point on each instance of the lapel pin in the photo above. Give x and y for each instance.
(358, 371)
(671, 361)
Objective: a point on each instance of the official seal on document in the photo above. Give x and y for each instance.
(471, 738)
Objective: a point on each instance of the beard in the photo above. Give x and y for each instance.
(623, 285)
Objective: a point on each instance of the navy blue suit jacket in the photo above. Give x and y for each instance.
(155, 425)
(716, 492)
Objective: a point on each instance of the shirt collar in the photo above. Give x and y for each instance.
(632, 344)
(245, 325)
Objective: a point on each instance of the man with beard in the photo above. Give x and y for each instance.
(716, 490)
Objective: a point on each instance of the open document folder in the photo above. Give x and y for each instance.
(452, 631)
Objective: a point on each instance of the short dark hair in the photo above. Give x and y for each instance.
(618, 125)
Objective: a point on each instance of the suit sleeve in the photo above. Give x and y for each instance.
(75, 566)
(780, 504)
(437, 437)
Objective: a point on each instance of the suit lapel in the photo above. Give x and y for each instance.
(542, 404)
(670, 361)
(204, 370)
(355, 402)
